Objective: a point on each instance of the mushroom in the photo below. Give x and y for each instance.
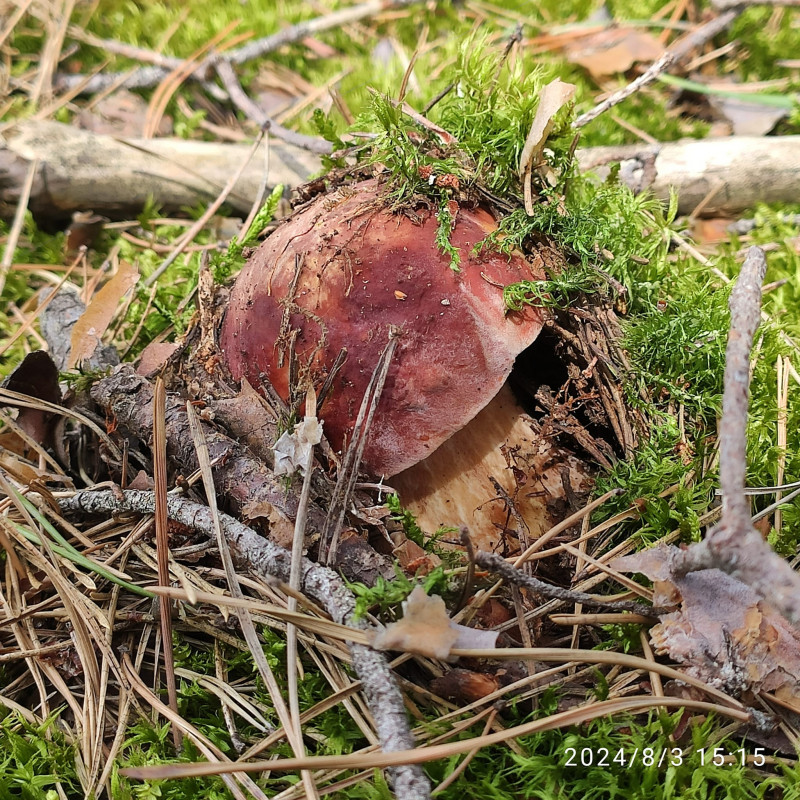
(338, 275)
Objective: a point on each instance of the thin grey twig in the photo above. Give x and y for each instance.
(252, 111)
(676, 53)
(319, 583)
(498, 565)
(147, 77)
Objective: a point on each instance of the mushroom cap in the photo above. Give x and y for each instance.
(363, 270)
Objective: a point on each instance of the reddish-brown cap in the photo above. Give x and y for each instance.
(363, 270)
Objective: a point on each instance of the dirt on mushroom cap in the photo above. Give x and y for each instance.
(358, 269)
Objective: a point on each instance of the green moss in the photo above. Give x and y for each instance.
(34, 759)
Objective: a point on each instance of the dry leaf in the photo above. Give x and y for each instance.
(710, 231)
(153, 357)
(425, 628)
(723, 633)
(37, 377)
(464, 685)
(93, 322)
(554, 96)
(83, 231)
(613, 50)
(292, 449)
(748, 118)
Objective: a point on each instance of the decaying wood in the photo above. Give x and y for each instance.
(245, 481)
(319, 583)
(730, 173)
(78, 170)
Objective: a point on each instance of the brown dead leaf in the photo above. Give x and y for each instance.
(11, 461)
(142, 482)
(281, 529)
(413, 559)
(153, 357)
(613, 50)
(464, 685)
(37, 377)
(83, 231)
(93, 322)
(425, 628)
(723, 633)
(710, 231)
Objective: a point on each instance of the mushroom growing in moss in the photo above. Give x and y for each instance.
(340, 274)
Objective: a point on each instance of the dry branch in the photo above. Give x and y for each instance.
(319, 583)
(740, 171)
(498, 565)
(78, 170)
(246, 483)
(147, 77)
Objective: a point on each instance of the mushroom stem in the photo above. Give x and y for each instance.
(454, 485)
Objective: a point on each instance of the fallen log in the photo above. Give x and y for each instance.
(78, 170)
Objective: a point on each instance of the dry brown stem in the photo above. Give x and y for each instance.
(319, 583)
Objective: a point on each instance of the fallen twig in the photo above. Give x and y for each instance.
(734, 545)
(319, 583)
(498, 565)
(253, 112)
(116, 177)
(79, 170)
(147, 77)
(680, 50)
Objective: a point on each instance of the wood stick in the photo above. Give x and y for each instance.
(320, 583)
(734, 545)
